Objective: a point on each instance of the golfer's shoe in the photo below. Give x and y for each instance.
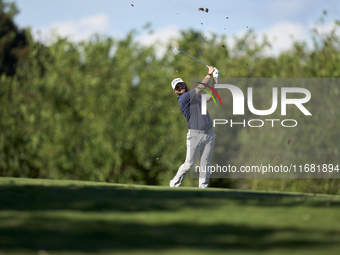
(171, 184)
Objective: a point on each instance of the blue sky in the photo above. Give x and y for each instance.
(278, 19)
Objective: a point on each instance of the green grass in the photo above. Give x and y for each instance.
(73, 217)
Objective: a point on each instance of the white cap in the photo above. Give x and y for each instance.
(175, 81)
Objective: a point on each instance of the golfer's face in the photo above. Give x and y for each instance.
(181, 87)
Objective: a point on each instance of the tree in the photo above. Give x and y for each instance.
(13, 41)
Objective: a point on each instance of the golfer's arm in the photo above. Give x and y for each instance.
(204, 81)
(215, 82)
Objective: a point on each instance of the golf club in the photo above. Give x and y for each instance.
(189, 55)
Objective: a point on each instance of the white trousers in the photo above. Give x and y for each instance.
(198, 143)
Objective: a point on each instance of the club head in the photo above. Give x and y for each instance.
(174, 50)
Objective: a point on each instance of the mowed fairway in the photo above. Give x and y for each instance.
(70, 217)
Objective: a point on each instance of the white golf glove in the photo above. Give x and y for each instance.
(216, 73)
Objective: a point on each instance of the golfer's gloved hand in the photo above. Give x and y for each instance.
(216, 73)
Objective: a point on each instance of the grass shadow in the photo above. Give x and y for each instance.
(118, 198)
(96, 236)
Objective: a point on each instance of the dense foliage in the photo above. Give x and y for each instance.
(13, 41)
(103, 109)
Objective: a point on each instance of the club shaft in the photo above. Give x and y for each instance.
(192, 57)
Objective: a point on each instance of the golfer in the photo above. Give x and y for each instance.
(200, 137)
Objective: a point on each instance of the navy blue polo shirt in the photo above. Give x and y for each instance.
(190, 105)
